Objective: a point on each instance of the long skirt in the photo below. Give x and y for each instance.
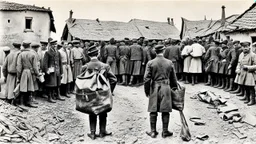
(186, 65)
(195, 65)
(77, 68)
(245, 78)
(67, 74)
(123, 66)
(28, 82)
(112, 63)
(10, 85)
(135, 67)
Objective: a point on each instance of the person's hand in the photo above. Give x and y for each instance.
(143, 64)
(229, 66)
(245, 68)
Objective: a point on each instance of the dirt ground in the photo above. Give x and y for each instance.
(129, 120)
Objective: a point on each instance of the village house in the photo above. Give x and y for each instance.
(207, 28)
(243, 28)
(20, 22)
(98, 30)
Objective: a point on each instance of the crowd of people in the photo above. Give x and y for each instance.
(227, 65)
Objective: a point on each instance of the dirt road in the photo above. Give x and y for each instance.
(129, 120)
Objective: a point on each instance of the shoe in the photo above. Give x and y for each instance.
(152, 134)
(92, 136)
(103, 134)
(167, 134)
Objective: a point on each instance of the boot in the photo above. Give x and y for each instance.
(242, 91)
(123, 80)
(193, 80)
(219, 83)
(58, 95)
(92, 122)
(103, 123)
(33, 98)
(230, 85)
(131, 80)
(216, 82)
(209, 80)
(50, 97)
(248, 93)
(186, 79)
(29, 102)
(65, 91)
(252, 98)
(243, 96)
(165, 120)
(237, 90)
(223, 83)
(153, 133)
(196, 79)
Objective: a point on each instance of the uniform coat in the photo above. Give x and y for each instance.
(111, 54)
(212, 57)
(77, 60)
(173, 53)
(66, 68)
(27, 70)
(159, 78)
(52, 58)
(10, 72)
(136, 57)
(187, 58)
(246, 78)
(123, 58)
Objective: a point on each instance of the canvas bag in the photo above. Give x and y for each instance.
(178, 101)
(93, 94)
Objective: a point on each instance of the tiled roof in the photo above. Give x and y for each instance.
(105, 30)
(246, 20)
(195, 28)
(156, 30)
(11, 6)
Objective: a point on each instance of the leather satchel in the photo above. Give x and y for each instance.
(178, 97)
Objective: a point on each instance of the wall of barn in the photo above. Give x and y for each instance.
(12, 26)
(243, 36)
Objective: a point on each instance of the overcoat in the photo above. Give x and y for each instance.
(196, 61)
(136, 57)
(212, 57)
(159, 79)
(77, 57)
(27, 70)
(52, 58)
(123, 51)
(187, 58)
(173, 53)
(246, 78)
(223, 64)
(111, 54)
(66, 68)
(10, 72)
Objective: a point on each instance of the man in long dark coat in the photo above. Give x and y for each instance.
(123, 52)
(53, 70)
(159, 79)
(91, 66)
(111, 54)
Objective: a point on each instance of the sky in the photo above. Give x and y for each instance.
(125, 10)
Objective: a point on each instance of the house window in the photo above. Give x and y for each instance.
(9, 21)
(28, 23)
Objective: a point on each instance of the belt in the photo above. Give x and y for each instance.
(166, 81)
(77, 59)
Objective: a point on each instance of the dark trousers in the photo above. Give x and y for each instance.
(102, 122)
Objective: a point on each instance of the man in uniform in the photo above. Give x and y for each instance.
(111, 54)
(27, 71)
(67, 72)
(96, 64)
(159, 79)
(123, 52)
(10, 72)
(53, 71)
(136, 56)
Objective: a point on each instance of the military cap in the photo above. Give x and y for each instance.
(53, 41)
(34, 45)
(75, 41)
(159, 47)
(92, 51)
(245, 43)
(6, 49)
(16, 44)
(236, 41)
(134, 40)
(59, 44)
(43, 42)
(217, 41)
(225, 42)
(126, 39)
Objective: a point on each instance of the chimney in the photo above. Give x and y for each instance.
(49, 8)
(205, 17)
(98, 20)
(172, 23)
(70, 15)
(168, 20)
(223, 16)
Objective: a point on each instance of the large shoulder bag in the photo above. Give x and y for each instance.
(93, 93)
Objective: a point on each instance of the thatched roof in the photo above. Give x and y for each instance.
(156, 30)
(11, 6)
(86, 29)
(216, 27)
(194, 28)
(245, 21)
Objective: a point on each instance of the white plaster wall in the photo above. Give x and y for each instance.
(244, 36)
(14, 31)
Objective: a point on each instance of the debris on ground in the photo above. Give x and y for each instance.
(202, 137)
(209, 97)
(239, 134)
